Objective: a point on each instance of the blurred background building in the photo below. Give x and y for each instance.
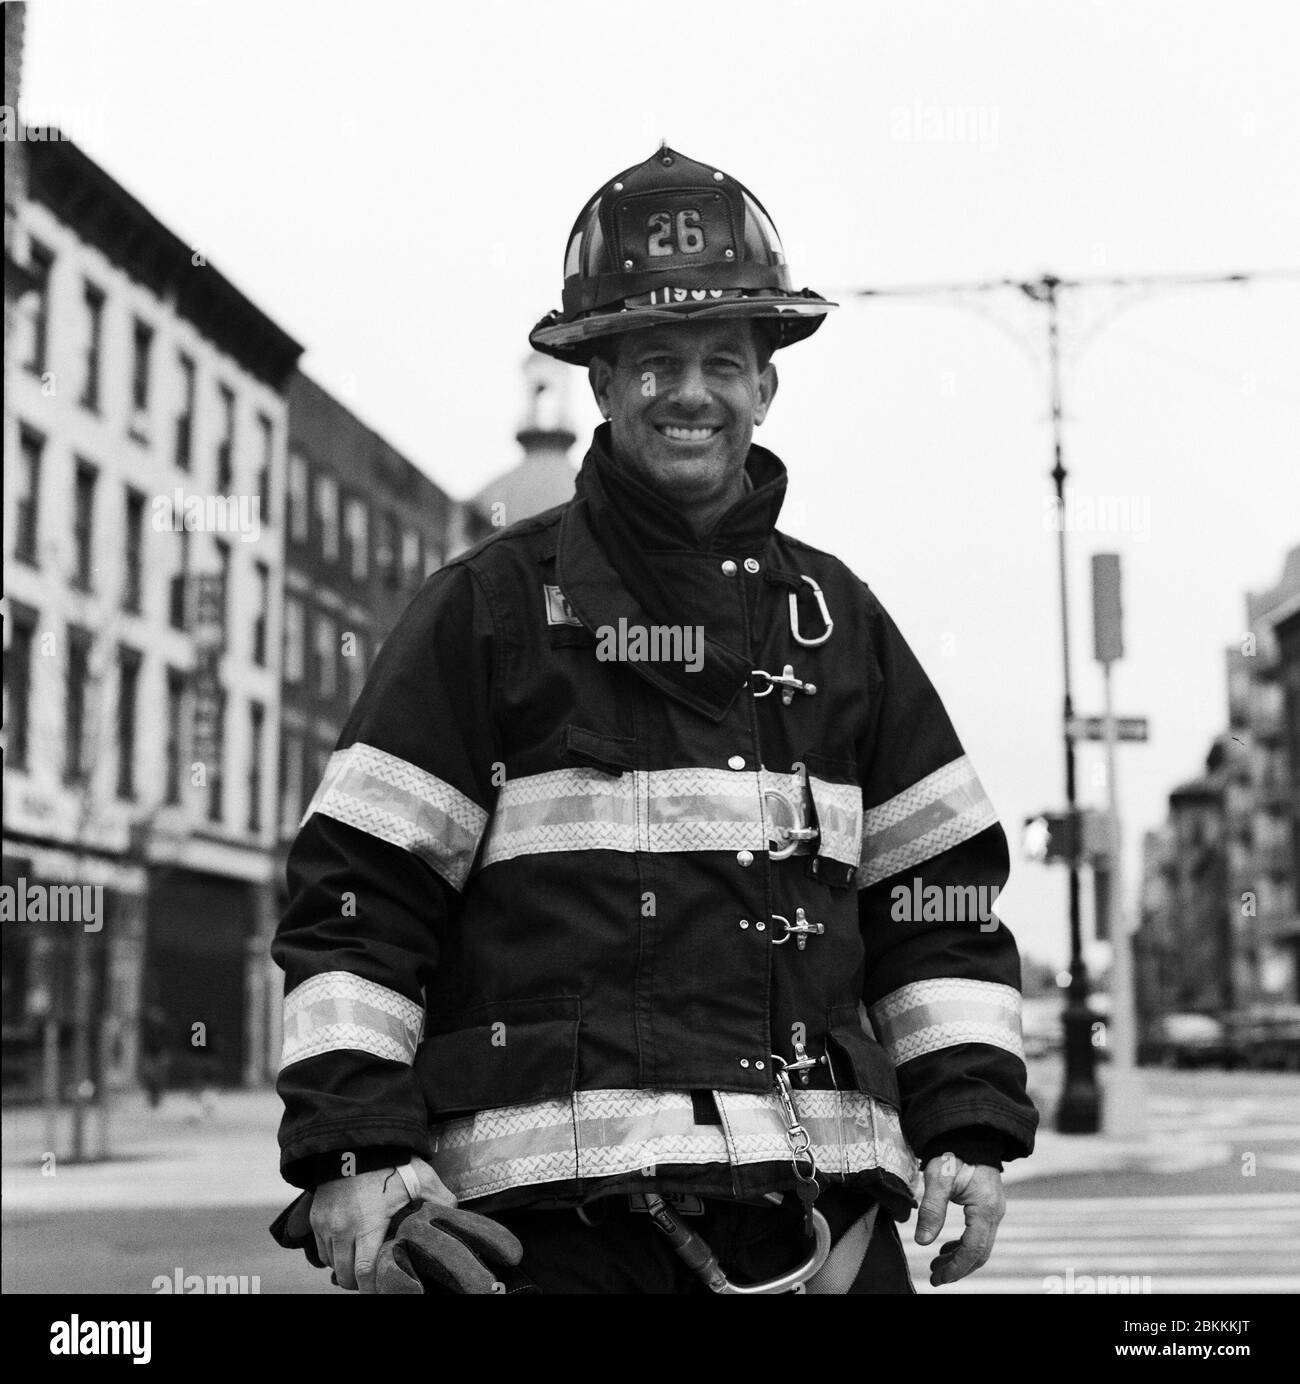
(545, 475)
(141, 697)
(203, 551)
(1220, 923)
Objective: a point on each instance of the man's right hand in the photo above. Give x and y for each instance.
(350, 1217)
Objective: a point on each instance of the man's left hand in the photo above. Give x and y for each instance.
(979, 1190)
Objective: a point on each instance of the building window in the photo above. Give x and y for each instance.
(226, 447)
(327, 510)
(256, 721)
(75, 690)
(132, 585)
(291, 803)
(40, 264)
(177, 613)
(128, 686)
(223, 572)
(263, 614)
(388, 557)
(141, 351)
(83, 524)
(27, 494)
(265, 470)
(299, 519)
(411, 553)
(294, 639)
(216, 775)
(327, 666)
(18, 686)
(358, 538)
(176, 681)
(185, 419)
(357, 666)
(93, 298)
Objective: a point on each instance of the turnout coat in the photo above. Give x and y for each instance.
(556, 916)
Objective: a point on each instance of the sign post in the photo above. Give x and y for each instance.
(1124, 1096)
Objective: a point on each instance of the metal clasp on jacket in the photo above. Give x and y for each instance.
(801, 929)
(801, 1067)
(786, 681)
(821, 607)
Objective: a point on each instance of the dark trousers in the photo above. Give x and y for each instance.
(623, 1252)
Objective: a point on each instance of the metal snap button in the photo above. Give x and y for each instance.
(736, 762)
(745, 858)
(744, 922)
(729, 568)
(760, 927)
(744, 1061)
(760, 1065)
(751, 564)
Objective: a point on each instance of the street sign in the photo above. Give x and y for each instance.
(1094, 728)
(1107, 608)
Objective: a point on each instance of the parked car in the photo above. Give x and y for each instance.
(1265, 1037)
(1187, 1040)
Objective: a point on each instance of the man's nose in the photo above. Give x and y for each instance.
(690, 388)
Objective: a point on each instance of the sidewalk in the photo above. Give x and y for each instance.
(173, 1157)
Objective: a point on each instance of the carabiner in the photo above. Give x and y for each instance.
(821, 606)
(704, 1262)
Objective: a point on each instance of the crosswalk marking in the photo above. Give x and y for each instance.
(1196, 1243)
(1220, 1283)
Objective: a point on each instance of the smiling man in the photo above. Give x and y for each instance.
(593, 981)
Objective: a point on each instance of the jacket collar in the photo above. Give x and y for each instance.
(599, 596)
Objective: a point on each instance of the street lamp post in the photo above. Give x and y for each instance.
(1079, 1109)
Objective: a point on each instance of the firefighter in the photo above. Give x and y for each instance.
(602, 968)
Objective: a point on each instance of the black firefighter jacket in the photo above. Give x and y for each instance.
(558, 912)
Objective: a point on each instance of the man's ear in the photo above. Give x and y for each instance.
(599, 375)
(767, 386)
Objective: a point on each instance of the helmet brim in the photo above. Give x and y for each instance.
(574, 342)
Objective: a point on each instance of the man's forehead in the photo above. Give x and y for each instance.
(692, 335)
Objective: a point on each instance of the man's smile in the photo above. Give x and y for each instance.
(675, 433)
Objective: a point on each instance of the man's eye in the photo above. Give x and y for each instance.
(728, 363)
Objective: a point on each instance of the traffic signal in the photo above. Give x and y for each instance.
(1051, 836)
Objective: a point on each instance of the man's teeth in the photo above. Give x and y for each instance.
(688, 434)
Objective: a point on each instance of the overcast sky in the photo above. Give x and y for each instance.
(394, 182)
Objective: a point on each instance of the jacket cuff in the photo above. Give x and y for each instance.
(316, 1168)
(939, 1122)
(333, 1138)
(974, 1144)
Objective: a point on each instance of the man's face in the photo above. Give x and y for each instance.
(683, 401)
